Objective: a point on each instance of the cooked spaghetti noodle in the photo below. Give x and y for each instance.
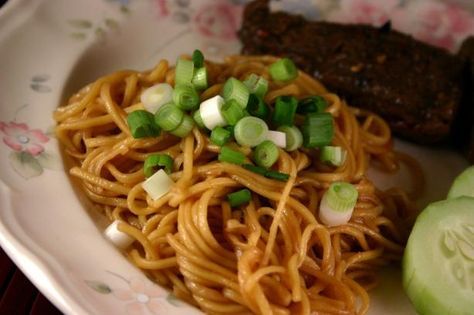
(272, 256)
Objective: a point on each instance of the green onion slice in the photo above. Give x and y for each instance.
(156, 96)
(184, 71)
(198, 119)
(257, 107)
(232, 112)
(200, 79)
(142, 124)
(231, 156)
(312, 104)
(333, 155)
(317, 130)
(169, 117)
(284, 112)
(250, 131)
(257, 85)
(294, 137)
(220, 136)
(155, 162)
(239, 198)
(187, 124)
(277, 175)
(235, 90)
(198, 58)
(266, 154)
(185, 97)
(283, 70)
(158, 185)
(337, 203)
(256, 169)
(266, 172)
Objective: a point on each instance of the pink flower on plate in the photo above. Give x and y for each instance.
(141, 297)
(20, 138)
(438, 23)
(219, 20)
(372, 12)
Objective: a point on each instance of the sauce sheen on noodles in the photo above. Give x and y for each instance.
(270, 256)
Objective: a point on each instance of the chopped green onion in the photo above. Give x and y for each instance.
(277, 175)
(266, 154)
(156, 96)
(235, 90)
(198, 58)
(184, 71)
(250, 131)
(187, 124)
(312, 104)
(231, 156)
(337, 203)
(198, 119)
(185, 97)
(317, 130)
(277, 137)
(142, 124)
(257, 85)
(158, 185)
(232, 112)
(283, 70)
(257, 107)
(294, 138)
(333, 155)
(230, 129)
(200, 79)
(155, 162)
(220, 136)
(256, 169)
(211, 114)
(169, 117)
(267, 173)
(239, 198)
(284, 112)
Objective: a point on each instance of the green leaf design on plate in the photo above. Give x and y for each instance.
(40, 88)
(99, 32)
(99, 286)
(173, 300)
(80, 23)
(40, 78)
(49, 161)
(80, 36)
(124, 9)
(111, 23)
(25, 164)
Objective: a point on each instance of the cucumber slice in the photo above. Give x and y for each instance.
(438, 263)
(463, 185)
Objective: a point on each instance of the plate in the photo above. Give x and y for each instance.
(50, 48)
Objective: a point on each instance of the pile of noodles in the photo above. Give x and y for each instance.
(272, 256)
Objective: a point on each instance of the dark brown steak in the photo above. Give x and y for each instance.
(414, 86)
(463, 133)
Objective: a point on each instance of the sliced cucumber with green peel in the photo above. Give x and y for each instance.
(438, 263)
(463, 185)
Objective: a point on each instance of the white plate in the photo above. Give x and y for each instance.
(49, 48)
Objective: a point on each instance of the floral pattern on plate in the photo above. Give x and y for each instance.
(28, 156)
(441, 23)
(139, 297)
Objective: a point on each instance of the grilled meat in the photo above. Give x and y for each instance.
(414, 86)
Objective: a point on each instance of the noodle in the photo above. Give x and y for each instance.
(272, 256)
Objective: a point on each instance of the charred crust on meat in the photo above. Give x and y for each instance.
(416, 87)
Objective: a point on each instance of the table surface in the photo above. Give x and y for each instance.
(18, 295)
